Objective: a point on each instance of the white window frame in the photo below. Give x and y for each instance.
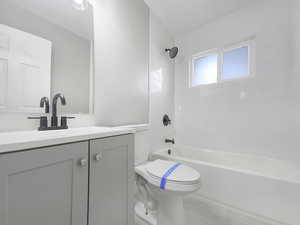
(202, 55)
(220, 52)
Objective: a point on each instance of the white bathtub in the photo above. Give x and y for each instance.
(265, 188)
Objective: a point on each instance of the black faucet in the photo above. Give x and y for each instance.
(54, 119)
(170, 141)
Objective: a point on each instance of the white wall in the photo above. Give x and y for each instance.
(134, 76)
(161, 81)
(257, 115)
(121, 62)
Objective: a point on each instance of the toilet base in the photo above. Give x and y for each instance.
(170, 210)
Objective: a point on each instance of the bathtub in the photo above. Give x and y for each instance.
(244, 186)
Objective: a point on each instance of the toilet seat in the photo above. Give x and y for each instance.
(182, 179)
(182, 175)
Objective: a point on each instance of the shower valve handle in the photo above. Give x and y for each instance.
(170, 141)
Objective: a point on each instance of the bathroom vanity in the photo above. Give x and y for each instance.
(78, 176)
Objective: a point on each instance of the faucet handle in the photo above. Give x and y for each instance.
(43, 121)
(70, 117)
(44, 102)
(166, 120)
(33, 117)
(64, 121)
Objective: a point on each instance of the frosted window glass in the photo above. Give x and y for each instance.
(205, 70)
(235, 63)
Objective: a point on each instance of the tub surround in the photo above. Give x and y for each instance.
(21, 140)
(239, 116)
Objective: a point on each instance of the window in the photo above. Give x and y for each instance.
(205, 70)
(221, 65)
(236, 63)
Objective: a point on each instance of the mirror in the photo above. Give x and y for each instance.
(46, 47)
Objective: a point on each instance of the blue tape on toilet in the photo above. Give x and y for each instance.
(168, 173)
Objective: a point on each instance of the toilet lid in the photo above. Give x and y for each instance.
(182, 174)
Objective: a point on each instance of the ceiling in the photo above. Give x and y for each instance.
(181, 16)
(62, 13)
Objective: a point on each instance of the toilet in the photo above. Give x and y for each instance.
(163, 185)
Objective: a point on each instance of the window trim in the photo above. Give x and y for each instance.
(220, 52)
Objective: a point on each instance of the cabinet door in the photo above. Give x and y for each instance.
(111, 181)
(47, 186)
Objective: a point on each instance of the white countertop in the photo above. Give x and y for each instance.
(16, 141)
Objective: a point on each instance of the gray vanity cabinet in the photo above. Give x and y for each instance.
(47, 186)
(84, 183)
(111, 181)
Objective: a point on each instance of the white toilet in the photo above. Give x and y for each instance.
(166, 182)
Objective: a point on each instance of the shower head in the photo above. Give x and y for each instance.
(172, 52)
